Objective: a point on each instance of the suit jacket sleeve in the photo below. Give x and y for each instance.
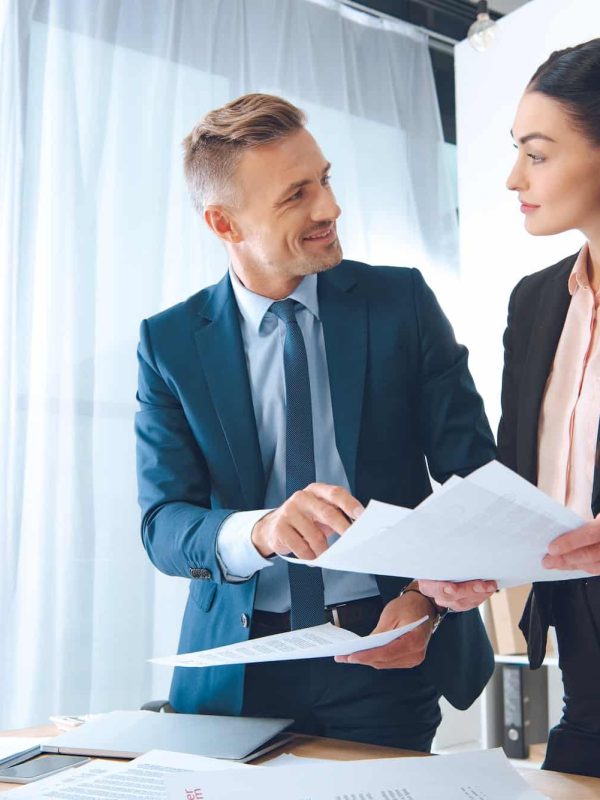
(454, 429)
(179, 528)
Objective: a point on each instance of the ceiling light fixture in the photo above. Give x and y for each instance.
(482, 32)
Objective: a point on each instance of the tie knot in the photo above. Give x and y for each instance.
(285, 310)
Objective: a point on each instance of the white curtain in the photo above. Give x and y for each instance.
(97, 232)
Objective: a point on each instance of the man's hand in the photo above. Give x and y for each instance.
(458, 596)
(407, 651)
(577, 549)
(303, 523)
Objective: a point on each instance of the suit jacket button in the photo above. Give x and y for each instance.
(201, 572)
(244, 619)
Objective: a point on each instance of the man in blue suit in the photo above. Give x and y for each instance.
(273, 406)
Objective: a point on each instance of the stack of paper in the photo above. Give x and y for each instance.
(145, 777)
(483, 775)
(492, 525)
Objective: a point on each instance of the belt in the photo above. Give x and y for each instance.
(358, 616)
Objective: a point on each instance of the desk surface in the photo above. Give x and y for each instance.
(555, 785)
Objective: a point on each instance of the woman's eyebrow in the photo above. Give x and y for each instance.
(536, 135)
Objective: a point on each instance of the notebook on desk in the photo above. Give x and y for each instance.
(129, 734)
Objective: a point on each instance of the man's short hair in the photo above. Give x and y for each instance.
(214, 147)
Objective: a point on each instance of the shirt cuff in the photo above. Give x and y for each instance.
(238, 557)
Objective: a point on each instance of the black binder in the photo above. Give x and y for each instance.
(525, 708)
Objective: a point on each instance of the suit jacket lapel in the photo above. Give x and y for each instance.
(596, 488)
(550, 314)
(548, 320)
(343, 312)
(223, 360)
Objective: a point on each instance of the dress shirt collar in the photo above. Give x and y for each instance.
(253, 307)
(579, 277)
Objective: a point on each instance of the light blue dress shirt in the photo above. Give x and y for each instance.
(263, 335)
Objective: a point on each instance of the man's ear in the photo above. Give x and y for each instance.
(222, 224)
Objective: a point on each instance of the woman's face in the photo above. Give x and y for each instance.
(557, 171)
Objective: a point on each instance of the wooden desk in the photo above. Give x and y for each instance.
(555, 785)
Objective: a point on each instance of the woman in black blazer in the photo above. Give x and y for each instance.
(551, 385)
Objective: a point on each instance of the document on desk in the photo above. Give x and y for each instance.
(106, 780)
(318, 642)
(482, 775)
(67, 784)
(492, 525)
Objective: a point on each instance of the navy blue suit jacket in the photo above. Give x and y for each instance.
(403, 400)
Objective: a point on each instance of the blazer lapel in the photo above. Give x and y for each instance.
(550, 314)
(549, 319)
(344, 315)
(596, 487)
(223, 360)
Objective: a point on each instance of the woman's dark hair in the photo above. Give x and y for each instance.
(572, 77)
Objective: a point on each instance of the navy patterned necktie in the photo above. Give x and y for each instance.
(306, 583)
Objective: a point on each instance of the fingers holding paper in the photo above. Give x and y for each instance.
(407, 651)
(577, 549)
(458, 596)
(301, 525)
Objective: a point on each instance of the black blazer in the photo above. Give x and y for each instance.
(536, 315)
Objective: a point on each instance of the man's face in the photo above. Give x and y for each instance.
(557, 171)
(286, 211)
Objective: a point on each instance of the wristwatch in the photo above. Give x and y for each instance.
(439, 612)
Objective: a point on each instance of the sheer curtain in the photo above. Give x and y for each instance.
(96, 232)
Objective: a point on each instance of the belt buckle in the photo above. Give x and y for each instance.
(336, 617)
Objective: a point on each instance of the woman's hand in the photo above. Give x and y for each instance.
(458, 596)
(577, 549)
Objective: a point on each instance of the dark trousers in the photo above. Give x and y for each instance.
(574, 744)
(397, 708)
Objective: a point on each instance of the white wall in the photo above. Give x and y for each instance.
(495, 249)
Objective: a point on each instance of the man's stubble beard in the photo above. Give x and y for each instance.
(314, 265)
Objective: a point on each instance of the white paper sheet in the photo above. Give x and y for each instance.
(318, 642)
(483, 775)
(492, 525)
(144, 777)
(65, 784)
(289, 759)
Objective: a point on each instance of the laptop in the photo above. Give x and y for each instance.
(129, 734)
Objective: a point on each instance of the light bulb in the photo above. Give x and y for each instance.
(482, 32)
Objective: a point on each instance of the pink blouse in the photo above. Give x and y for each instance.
(568, 424)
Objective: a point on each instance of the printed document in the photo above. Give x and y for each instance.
(318, 642)
(492, 525)
(482, 775)
(143, 777)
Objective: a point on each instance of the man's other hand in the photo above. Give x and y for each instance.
(302, 524)
(577, 549)
(458, 596)
(407, 651)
